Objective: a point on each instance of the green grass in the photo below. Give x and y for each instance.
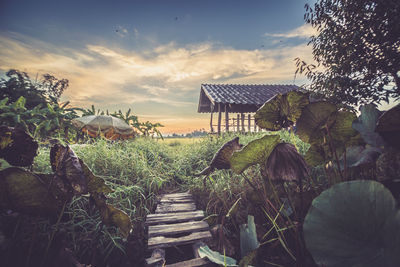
(140, 170)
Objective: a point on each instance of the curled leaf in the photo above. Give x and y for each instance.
(255, 152)
(365, 124)
(388, 126)
(281, 111)
(68, 173)
(112, 216)
(221, 158)
(16, 146)
(285, 163)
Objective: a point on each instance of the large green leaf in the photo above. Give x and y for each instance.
(312, 120)
(16, 146)
(354, 224)
(25, 192)
(281, 111)
(316, 154)
(388, 126)
(365, 124)
(248, 237)
(285, 163)
(357, 156)
(216, 257)
(255, 152)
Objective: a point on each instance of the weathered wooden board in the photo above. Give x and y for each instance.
(164, 242)
(181, 207)
(178, 195)
(177, 200)
(199, 262)
(177, 228)
(174, 217)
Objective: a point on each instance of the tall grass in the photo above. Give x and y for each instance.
(138, 171)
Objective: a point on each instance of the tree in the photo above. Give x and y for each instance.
(356, 48)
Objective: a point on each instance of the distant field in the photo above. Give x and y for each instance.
(180, 141)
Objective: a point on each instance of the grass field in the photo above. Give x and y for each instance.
(138, 171)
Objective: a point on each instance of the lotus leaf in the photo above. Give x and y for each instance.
(216, 257)
(112, 216)
(68, 173)
(281, 111)
(359, 156)
(16, 146)
(221, 158)
(285, 163)
(365, 124)
(388, 166)
(354, 223)
(248, 237)
(25, 192)
(388, 126)
(316, 154)
(255, 152)
(313, 119)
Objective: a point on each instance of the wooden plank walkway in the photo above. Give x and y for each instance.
(176, 222)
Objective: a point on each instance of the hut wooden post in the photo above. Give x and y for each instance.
(219, 118)
(238, 123)
(226, 119)
(242, 114)
(249, 118)
(211, 118)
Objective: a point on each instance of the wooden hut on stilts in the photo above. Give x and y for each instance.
(242, 99)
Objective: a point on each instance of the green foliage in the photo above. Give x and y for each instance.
(281, 111)
(248, 237)
(356, 45)
(256, 152)
(354, 224)
(365, 124)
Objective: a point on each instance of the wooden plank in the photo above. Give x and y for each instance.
(185, 194)
(178, 228)
(172, 208)
(177, 200)
(174, 217)
(164, 242)
(199, 262)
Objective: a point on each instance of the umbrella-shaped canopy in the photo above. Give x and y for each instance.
(107, 126)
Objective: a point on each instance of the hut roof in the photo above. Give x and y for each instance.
(239, 97)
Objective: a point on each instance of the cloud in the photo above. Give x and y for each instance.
(304, 31)
(159, 82)
(121, 31)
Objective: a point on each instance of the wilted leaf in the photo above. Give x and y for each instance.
(95, 184)
(388, 126)
(255, 152)
(68, 173)
(354, 224)
(281, 111)
(285, 163)
(342, 130)
(221, 158)
(216, 257)
(365, 124)
(17, 147)
(248, 237)
(312, 120)
(23, 191)
(112, 216)
(360, 156)
(388, 166)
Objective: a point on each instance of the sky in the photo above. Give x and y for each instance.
(152, 56)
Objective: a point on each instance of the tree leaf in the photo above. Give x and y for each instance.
(388, 126)
(255, 152)
(285, 163)
(16, 146)
(354, 224)
(365, 124)
(281, 111)
(216, 257)
(248, 237)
